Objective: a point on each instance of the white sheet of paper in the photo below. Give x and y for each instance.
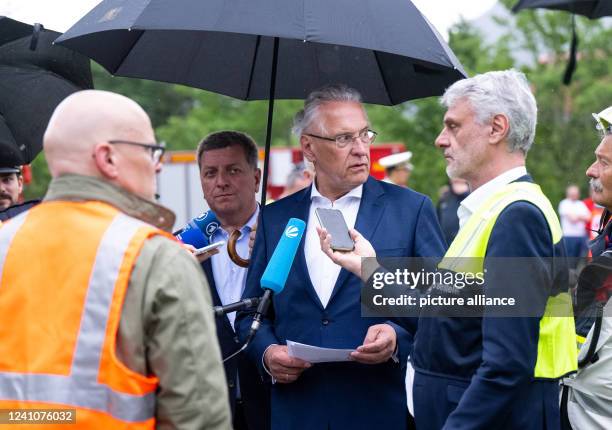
(315, 354)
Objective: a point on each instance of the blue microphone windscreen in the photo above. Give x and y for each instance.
(193, 236)
(207, 222)
(276, 273)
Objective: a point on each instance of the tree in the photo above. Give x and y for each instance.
(565, 135)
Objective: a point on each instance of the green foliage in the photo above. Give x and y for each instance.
(565, 137)
(213, 112)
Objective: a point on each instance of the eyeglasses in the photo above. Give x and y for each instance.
(366, 135)
(157, 151)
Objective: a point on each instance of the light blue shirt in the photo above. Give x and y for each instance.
(229, 277)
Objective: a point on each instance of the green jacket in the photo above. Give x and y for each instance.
(167, 327)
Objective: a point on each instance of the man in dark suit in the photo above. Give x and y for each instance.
(230, 179)
(497, 368)
(320, 304)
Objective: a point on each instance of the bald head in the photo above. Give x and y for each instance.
(86, 119)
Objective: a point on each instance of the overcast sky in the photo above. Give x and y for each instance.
(59, 15)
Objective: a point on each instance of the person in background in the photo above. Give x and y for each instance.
(574, 216)
(230, 179)
(449, 203)
(397, 168)
(587, 395)
(117, 312)
(11, 186)
(299, 178)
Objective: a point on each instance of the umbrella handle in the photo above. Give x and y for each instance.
(231, 250)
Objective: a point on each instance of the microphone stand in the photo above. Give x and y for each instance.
(242, 304)
(262, 309)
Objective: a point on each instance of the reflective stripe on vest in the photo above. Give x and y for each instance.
(81, 387)
(557, 355)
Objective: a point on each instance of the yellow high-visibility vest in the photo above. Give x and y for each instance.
(557, 355)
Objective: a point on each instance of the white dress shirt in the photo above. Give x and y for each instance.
(229, 277)
(471, 203)
(322, 270)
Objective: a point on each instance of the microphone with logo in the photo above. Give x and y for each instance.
(275, 276)
(199, 230)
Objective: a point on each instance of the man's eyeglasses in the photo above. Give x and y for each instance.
(367, 136)
(157, 151)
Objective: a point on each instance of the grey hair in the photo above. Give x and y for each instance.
(500, 92)
(329, 93)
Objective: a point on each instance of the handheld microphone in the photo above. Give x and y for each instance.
(199, 230)
(275, 275)
(242, 304)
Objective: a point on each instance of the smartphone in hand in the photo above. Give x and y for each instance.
(333, 221)
(210, 247)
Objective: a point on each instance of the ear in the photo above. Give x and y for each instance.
(306, 144)
(20, 183)
(500, 127)
(257, 178)
(105, 160)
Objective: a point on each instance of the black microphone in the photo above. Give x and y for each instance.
(242, 304)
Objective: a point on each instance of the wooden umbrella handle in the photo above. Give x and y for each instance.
(231, 250)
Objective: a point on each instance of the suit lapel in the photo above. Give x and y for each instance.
(371, 209)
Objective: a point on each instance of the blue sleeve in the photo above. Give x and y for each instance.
(428, 242)
(509, 344)
(265, 336)
(428, 238)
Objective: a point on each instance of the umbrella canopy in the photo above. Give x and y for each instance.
(35, 77)
(589, 8)
(271, 49)
(391, 53)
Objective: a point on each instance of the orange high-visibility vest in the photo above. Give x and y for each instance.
(64, 272)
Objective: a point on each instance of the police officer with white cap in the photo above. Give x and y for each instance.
(397, 168)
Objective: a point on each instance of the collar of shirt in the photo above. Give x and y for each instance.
(222, 234)
(472, 202)
(315, 195)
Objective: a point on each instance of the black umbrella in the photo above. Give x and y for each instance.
(590, 8)
(34, 77)
(271, 49)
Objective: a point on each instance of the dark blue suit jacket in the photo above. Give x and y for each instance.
(398, 222)
(477, 373)
(255, 393)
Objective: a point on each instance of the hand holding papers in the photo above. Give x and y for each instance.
(315, 354)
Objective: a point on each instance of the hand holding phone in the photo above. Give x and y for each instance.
(333, 221)
(207, 248)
